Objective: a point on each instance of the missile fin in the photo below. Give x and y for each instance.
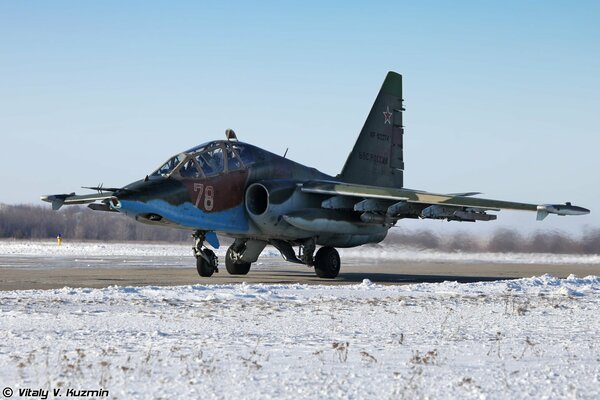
(541, 215)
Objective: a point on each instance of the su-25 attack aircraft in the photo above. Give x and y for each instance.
(259, 198)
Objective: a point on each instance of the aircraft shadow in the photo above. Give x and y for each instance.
(357, 277)
(377, 277)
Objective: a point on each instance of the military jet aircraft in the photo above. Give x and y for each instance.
(258, 198)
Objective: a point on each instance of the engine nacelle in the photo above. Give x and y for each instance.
(280, 209)
(267, 203)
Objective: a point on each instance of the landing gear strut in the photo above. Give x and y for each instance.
(306, 251)
(206, 260)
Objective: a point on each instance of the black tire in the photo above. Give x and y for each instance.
(206, 269)
(235, 268)
(327, 263)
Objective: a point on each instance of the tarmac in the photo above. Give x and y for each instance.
(22, 273)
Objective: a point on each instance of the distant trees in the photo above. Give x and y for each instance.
(41, 222)
(500, 241)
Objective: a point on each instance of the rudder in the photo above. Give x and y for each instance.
(377, 157)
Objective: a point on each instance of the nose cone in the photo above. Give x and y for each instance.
(580, 210)
(144, 195)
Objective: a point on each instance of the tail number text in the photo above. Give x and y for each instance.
(208, 192)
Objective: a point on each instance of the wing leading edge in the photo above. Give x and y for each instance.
(407, 203)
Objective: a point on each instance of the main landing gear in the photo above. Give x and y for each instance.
(327, 262)
(206, 260)
(243, 252)
(235, 267)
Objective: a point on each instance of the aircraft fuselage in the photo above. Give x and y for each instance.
(219, 203)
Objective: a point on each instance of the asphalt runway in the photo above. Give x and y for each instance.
(20, 273)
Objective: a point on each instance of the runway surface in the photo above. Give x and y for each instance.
(34, 272)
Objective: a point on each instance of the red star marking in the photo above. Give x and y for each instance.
(388, 116)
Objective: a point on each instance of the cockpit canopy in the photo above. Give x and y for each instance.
(208, 159)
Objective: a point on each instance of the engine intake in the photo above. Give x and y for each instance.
(267, 203)
(257, 199)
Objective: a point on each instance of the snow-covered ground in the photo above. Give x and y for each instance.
(528, 338)
(183, 252)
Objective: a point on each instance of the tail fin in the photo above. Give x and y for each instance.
(377, 157)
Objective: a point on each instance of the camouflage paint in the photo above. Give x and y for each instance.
(319, 203)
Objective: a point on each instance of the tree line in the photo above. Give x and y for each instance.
(81, 223)
(500, 241)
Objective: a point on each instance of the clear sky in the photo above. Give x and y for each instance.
(501, 97)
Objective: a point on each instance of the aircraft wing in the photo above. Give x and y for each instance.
(58, 200)
(407, 203)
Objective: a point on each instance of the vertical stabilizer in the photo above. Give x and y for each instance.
(377, 157)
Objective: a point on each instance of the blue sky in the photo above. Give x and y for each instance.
(501, 98)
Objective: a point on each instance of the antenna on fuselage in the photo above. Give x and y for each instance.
(230, 135)
(285, 154)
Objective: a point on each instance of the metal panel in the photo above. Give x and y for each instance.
(397, 149)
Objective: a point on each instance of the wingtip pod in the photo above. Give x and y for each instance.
(559, 209)
(57, 200)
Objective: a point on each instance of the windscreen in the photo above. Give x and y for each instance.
(169, 166)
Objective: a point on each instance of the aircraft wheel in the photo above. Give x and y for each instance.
(235, 268)
(205, 268)
(327, 262)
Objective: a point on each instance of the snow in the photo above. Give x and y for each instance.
(181, 253)
(525, 338)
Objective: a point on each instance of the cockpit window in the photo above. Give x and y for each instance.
(233, 161)
(211, 161)
(169, 166)
(208, 159)
(198, 148)
(190, 169)
(243, 153)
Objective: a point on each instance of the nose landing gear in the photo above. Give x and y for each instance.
(206, 259)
